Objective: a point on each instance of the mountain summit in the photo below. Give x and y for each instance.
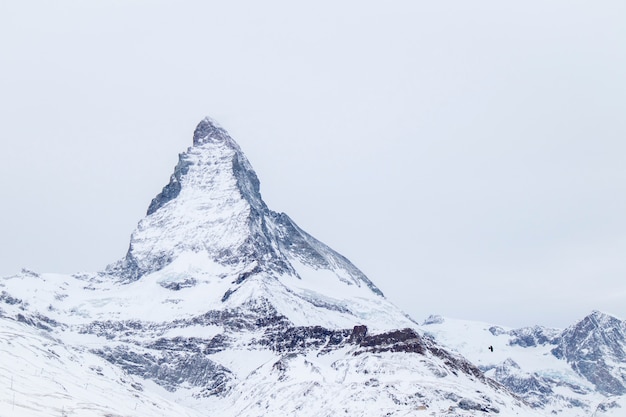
(211, 216)
(211, 206)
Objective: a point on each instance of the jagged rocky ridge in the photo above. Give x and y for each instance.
(222, 306)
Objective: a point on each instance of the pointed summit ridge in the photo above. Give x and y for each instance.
(216, 140)
(211, 205)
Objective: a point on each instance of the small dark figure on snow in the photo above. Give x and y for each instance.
(491, 348)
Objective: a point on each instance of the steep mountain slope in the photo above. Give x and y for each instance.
(575, 372)
(223, 307)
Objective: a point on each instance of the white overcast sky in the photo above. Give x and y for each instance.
(468, 156)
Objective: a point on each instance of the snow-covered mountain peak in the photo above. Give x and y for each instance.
(211, 205)
(596, 348)
(214, 162)
(210, 220)
(601, 319)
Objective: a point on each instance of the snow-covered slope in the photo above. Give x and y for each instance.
(41, 375)
(575, 372)
(224, 307)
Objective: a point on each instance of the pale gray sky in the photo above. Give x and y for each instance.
(469, 157)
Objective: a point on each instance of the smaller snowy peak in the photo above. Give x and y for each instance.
(602, 319)
(595, 347)
(597, 334)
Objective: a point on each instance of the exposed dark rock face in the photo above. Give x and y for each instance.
(302, 339)
(5, 297)
(208, 130)
(406, 340)
(358, 334)
(39, 321)
(186, 344)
